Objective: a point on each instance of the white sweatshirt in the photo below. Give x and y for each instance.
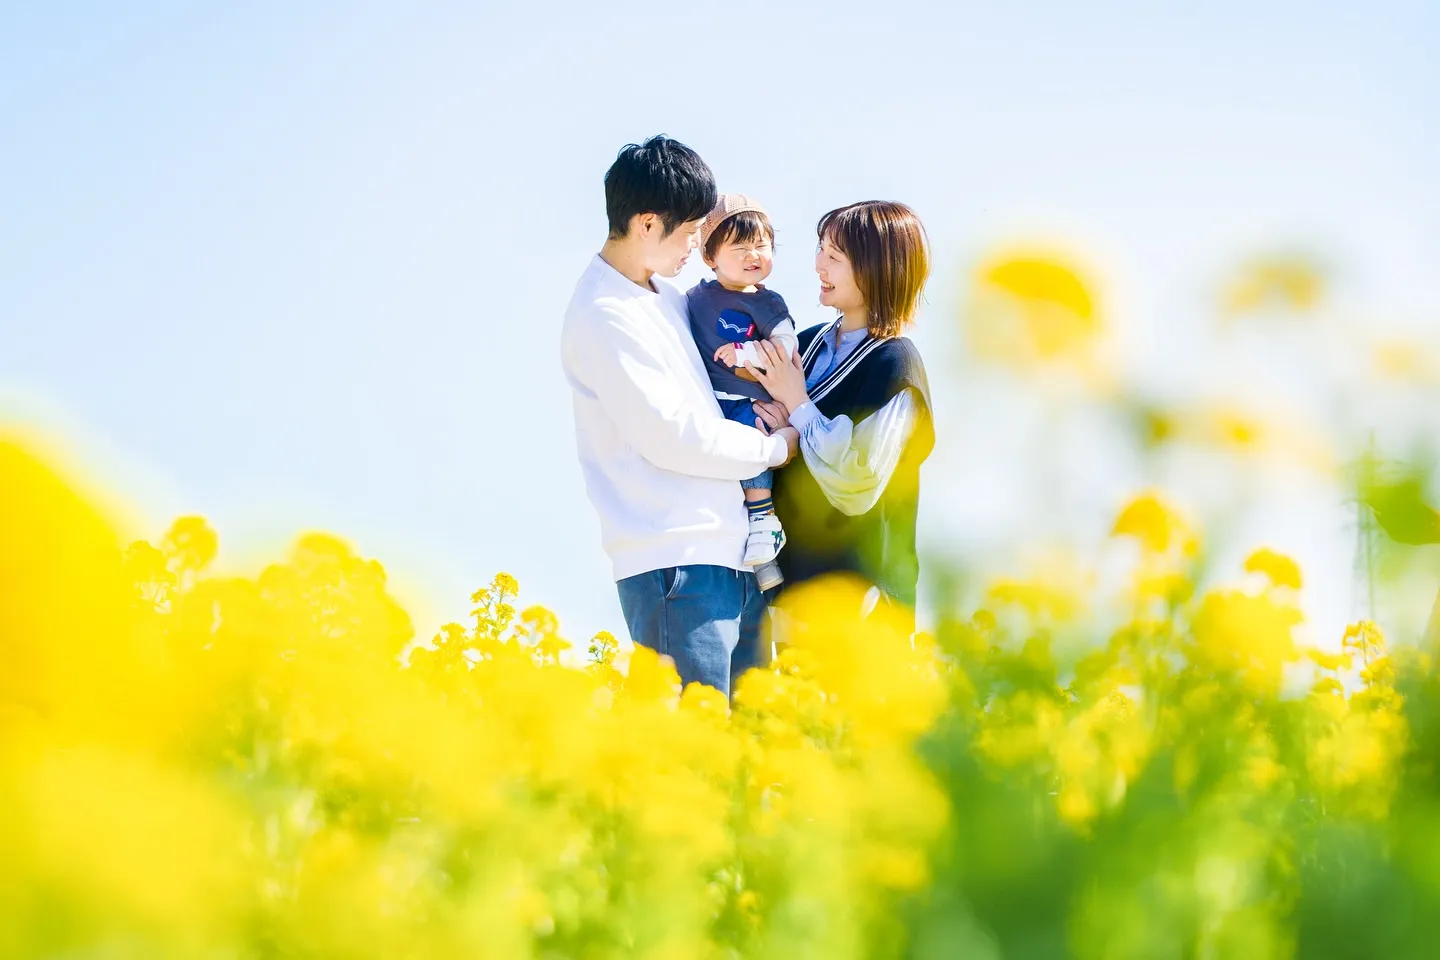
(661, 465)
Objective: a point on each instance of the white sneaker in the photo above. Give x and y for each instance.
(765, 540)
(768, 576)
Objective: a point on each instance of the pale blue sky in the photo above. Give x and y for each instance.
(303, 265)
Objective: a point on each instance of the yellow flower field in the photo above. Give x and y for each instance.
(205, 766)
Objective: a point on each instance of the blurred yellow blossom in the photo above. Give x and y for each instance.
(1278, 569)
(1157, 525)
(204, 765)
(1251, 634)
(1410, 361)
(1031, 306)
(1293, 281)
(1365, 638)
(1237, 430)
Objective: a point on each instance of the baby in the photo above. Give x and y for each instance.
(728, 315)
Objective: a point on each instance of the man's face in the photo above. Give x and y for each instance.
(666, 255)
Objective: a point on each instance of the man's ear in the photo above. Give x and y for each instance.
(642, 223)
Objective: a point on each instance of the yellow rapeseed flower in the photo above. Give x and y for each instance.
(1251, 634)
(1156, 524)
(1032, 306)
(204, 765)
(1293, 282)
(1278, 569)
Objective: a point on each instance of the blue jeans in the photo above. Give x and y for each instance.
(743, 411)
(705, 618)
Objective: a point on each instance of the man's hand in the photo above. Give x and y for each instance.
(1402, 513)
(773, 413)
(792, 442)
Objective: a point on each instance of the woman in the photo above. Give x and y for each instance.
(856, 391)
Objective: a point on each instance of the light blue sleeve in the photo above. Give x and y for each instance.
(854, 463)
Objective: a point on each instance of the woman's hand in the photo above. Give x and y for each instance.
(783, 379)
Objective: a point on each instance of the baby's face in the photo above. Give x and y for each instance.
(744, 264)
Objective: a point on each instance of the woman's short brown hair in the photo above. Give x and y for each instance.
(890, 254)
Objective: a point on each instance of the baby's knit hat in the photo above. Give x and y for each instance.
(726, 207)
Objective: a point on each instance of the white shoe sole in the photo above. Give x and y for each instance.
(768, 576)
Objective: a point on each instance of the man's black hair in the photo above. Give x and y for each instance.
(660, 176)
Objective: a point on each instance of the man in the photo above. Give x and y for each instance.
(661, 465)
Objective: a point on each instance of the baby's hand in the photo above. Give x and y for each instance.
(726, 354)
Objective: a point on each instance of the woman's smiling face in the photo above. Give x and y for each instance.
(837, 278)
